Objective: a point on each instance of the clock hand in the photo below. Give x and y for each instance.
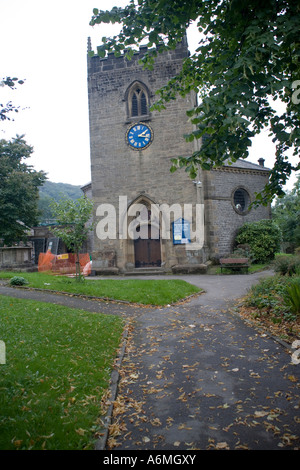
(143, 133)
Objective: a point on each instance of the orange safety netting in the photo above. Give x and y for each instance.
(64, 264)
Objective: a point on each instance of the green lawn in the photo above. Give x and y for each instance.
(58, 365)
(154, 292)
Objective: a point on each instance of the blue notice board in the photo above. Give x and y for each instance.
(181, 232)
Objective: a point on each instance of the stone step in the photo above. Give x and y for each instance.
(145, 271)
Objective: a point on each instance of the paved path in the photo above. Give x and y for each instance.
(195, 376)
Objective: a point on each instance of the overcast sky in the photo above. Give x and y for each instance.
(45, 43)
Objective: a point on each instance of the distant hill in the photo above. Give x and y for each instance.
(55, 191)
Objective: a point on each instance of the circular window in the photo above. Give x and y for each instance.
(241, 201)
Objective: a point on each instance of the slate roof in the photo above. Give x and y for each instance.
(246, 165)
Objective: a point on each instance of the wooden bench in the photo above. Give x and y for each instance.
(234, 263)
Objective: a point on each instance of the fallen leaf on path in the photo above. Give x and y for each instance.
(184, 426)
(222, 445)
(292, 378)
(155, 422)
(260, 414)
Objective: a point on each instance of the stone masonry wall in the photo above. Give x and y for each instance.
(118, 170)
(222, 219)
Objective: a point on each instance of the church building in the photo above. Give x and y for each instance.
(147, 218)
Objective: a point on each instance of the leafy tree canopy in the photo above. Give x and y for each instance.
(248, 57)
(19, 185)
(286, 214)
(8, 107)
(73, 218)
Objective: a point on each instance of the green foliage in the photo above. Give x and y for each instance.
(287, 265)
(19, 185)
(242, 251)
(8, 107)
(73, 218)
(18, 281)
(248, 53)
(276, 297)
(286, 213)
(267, 293)
(292, 296)
(263, 237)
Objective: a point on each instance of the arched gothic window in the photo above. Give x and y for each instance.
(137, 100)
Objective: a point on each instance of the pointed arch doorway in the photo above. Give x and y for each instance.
(147, 251)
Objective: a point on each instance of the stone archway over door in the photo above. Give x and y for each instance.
(147, 252)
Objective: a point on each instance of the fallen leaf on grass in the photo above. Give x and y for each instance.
(47, 437)
(18, 442)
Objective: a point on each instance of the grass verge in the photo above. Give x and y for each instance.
(148, 292)
(58, 366)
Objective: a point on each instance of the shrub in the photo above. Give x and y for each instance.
(242, 251)
(267, 293)
(263, 237)
(289, 265)
(282, 264)
(18, 281)
(292, 296)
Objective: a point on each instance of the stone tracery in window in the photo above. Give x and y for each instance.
(137, 101)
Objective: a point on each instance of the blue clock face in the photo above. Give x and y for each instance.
(139, 136)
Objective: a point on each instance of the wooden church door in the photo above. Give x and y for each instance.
(147, 251)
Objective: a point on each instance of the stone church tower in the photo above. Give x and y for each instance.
(145, 216)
